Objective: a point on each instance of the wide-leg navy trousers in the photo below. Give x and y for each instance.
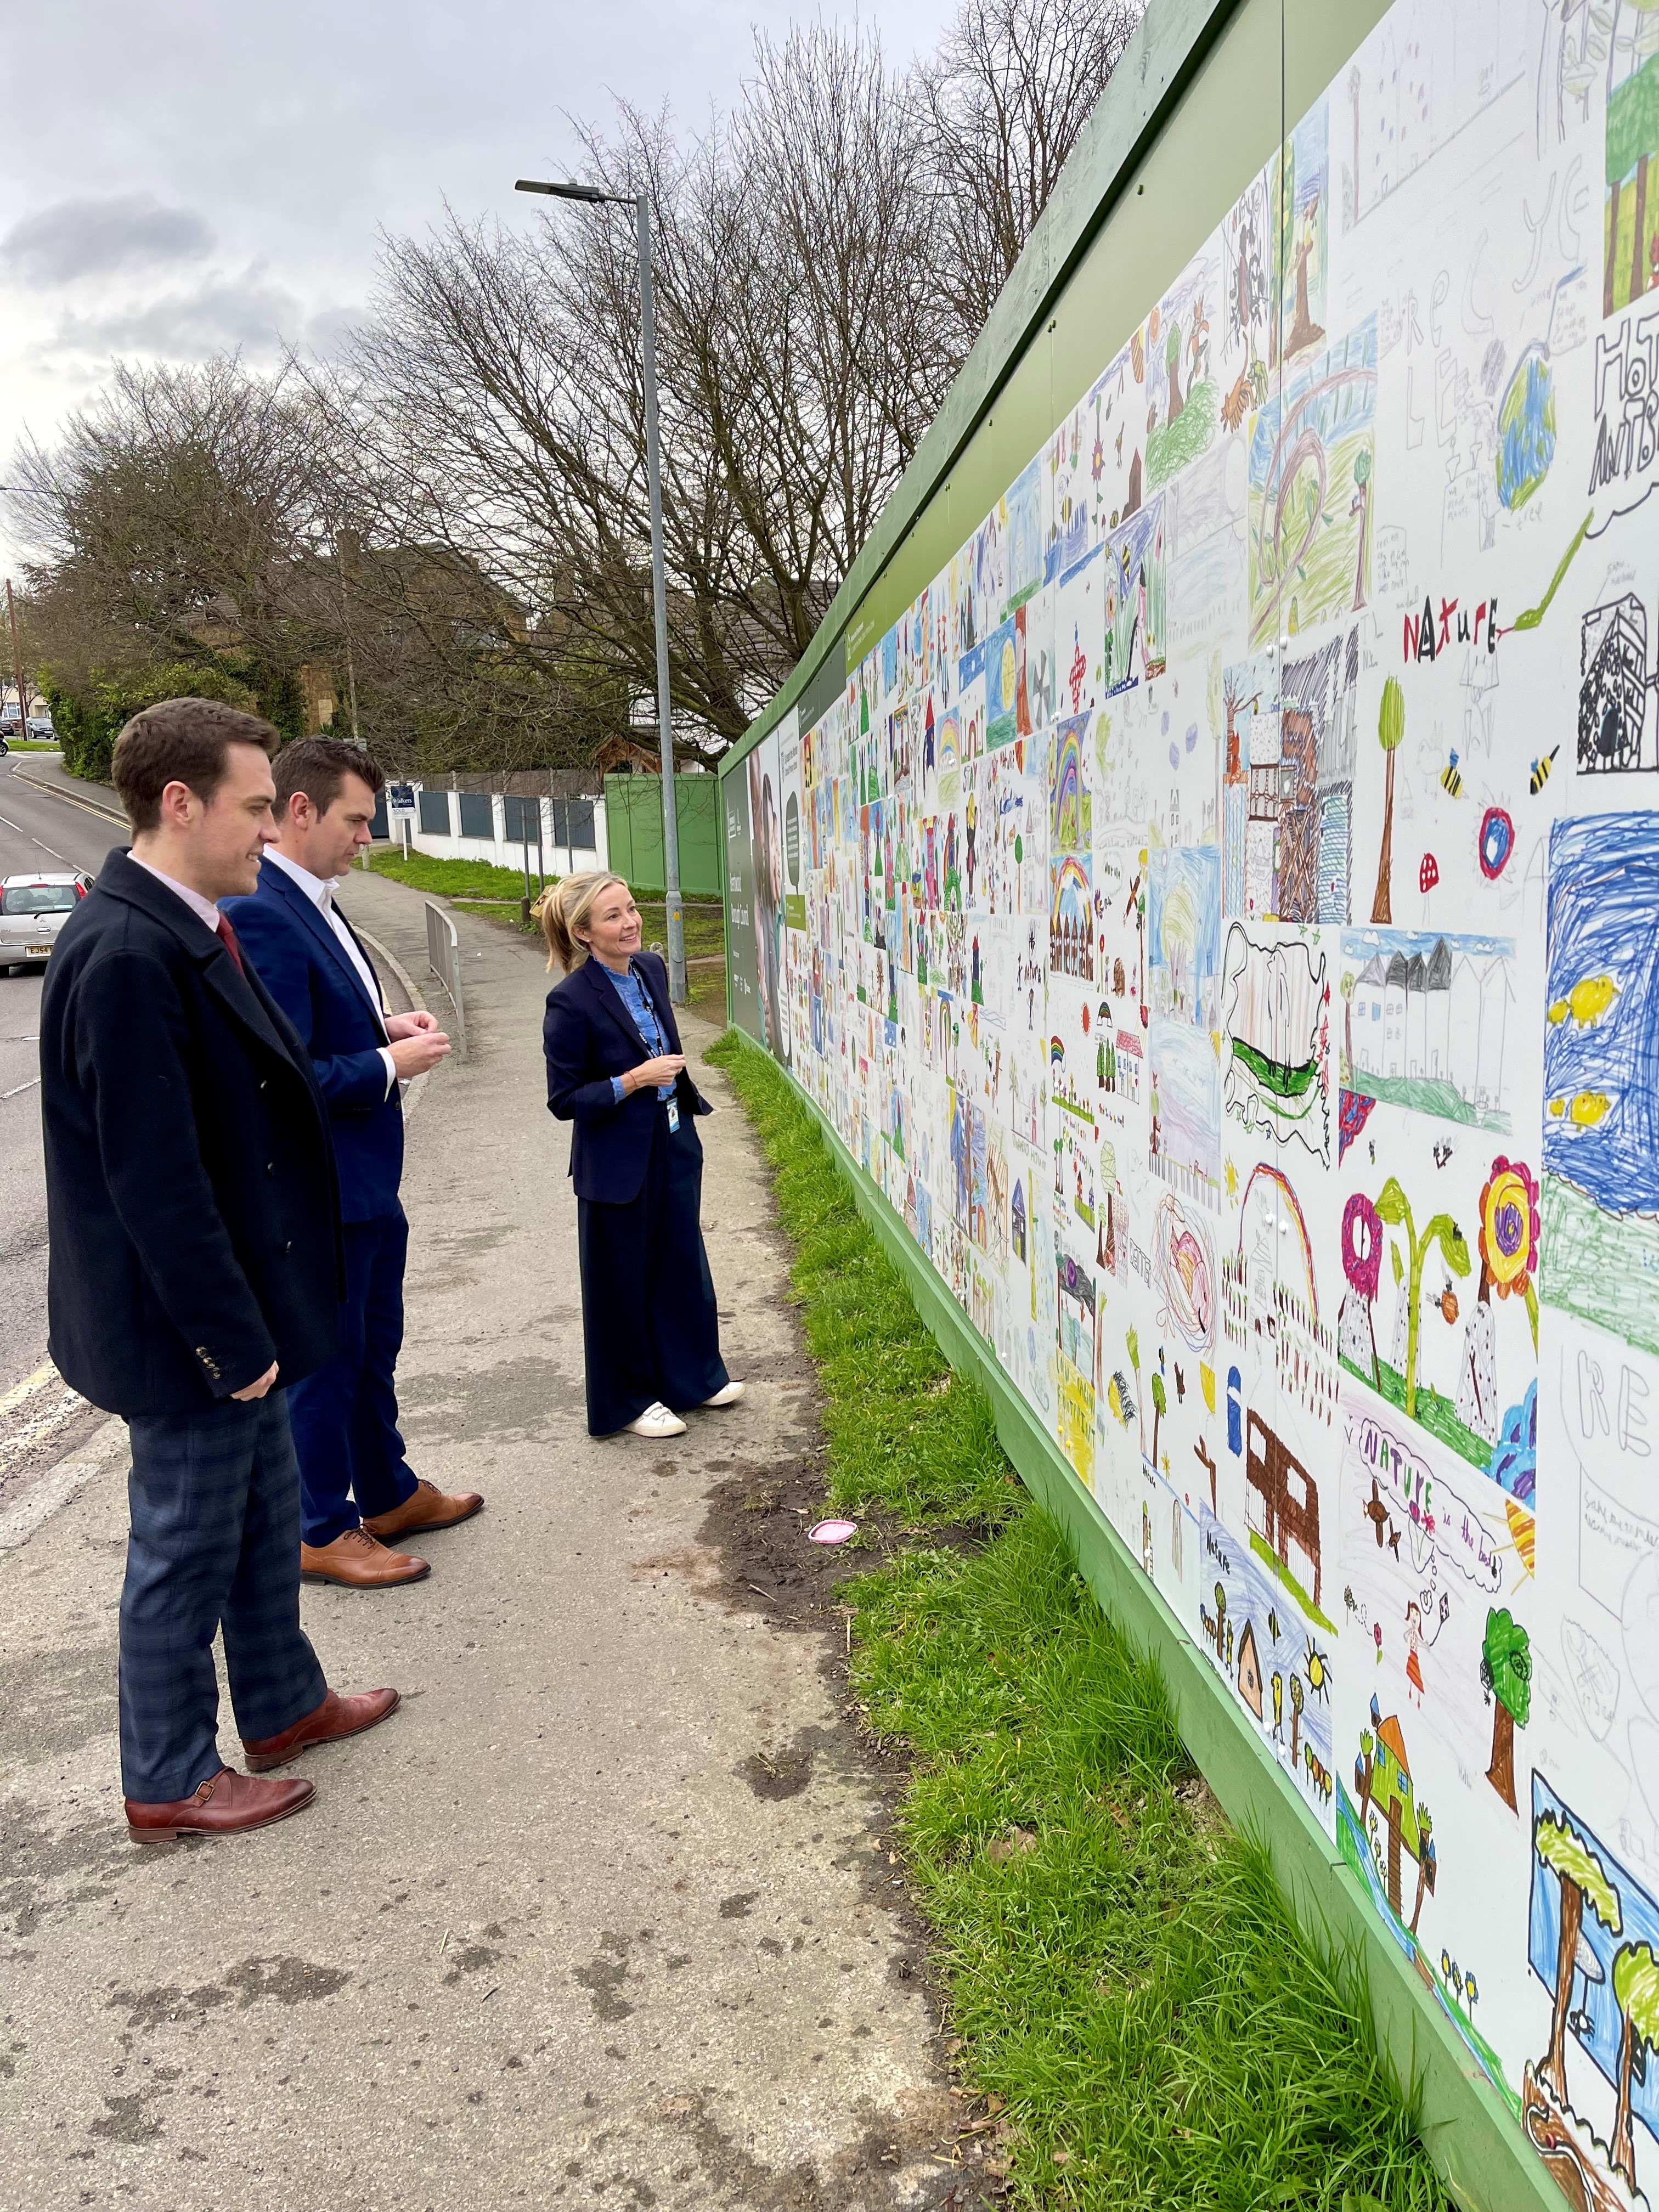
(214, 1544)
(345, 1415)
(650, 1330)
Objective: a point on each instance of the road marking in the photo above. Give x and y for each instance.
(18, 1093)
(27, 1387)
(33, 840)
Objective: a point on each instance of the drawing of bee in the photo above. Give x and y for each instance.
(1452, 777)
(1541, 773)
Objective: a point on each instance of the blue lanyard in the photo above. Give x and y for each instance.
(649, 1028)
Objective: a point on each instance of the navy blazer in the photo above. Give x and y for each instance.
(588, 1038)
(306, 969)
(192, 1212)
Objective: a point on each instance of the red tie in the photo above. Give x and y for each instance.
(228, 939)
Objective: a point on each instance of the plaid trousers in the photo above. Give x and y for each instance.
(214, 1544)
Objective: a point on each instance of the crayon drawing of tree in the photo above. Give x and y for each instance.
(1583, 1877)
(1506, 1677)
(1394, 1207)
(1160, 1405)
(1636, 1993)
(1390, 729)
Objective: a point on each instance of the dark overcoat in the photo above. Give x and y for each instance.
(193, 1213)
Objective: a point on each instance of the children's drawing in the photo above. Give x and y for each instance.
(1310, 461)
(1269, 1300)
(1201, 922)
(1630, 244)
(1614, 682)
(1594, 1943)
(1135, 591)
(1601, 1182)
(1426, 1021)
(1260, 1642)
(1274, 1002)
(1392, 1822)
(1184, 933)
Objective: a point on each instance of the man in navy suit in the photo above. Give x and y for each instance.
(358, 1492)
(195, 1270)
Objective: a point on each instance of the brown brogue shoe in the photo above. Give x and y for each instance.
(335, 1717)
(427, 1507)
(226, 1804)
(358, 1561)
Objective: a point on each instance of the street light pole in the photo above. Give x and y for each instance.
(670, 844)
(17, 665)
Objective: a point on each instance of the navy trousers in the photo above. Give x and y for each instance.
(649, 1325)
(215, 1545)
(345, 1415)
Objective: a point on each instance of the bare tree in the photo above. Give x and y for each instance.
(169, 515)
(453, 521)
(1011, 87)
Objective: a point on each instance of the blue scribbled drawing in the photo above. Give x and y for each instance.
(1601, 1198)
(1526, 429)
(1515, 1455)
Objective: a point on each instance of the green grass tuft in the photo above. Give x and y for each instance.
(1121, 1964)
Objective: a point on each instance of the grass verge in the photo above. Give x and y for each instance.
(424, 871)
(1150, 2027)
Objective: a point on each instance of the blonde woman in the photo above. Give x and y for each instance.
(615, 1070)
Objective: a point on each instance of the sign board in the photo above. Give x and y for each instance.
(400, 798)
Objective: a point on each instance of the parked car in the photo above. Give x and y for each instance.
(39, 726)
(32, 909)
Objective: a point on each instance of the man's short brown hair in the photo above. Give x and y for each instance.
(319, 766)
(180, 741)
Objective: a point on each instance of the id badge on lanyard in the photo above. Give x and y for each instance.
(673, 1115)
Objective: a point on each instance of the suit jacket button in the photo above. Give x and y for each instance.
(271, 1167)
(288, 1247)
(264, 1084)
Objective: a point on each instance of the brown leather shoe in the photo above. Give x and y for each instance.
(358, 1561)
(426, 1507)
(224, 1805)
(335, 1717)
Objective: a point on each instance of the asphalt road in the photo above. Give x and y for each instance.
(36, 831)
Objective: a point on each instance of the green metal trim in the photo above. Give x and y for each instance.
(1466, 2129)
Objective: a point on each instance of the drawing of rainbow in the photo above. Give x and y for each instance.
(1261, 1171)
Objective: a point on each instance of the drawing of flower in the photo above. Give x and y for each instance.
(1362, 1245)
(1509, 1227)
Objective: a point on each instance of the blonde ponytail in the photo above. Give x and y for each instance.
(563, 909)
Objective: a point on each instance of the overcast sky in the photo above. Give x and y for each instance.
(194, 178)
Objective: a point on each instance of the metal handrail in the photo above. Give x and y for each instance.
(443, 957)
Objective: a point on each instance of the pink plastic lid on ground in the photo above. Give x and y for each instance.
(832, 1532)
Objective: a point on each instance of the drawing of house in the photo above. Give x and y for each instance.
(1282, 1507)
(1481, 998)
(1249, 1671)
(1440, 1016)
(1366, 1025)
(1612, 692)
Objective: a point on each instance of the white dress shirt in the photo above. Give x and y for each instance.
(321, 895)
(203, 909)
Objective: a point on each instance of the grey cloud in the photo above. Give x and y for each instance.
(95, 238)
(222, 315)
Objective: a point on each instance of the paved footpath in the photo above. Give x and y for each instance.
(554, 1933)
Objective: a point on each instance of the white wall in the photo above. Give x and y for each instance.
(556, 860)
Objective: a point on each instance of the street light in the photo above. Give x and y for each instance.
(593, 196)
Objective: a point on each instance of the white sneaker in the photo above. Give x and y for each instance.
(729, 1396)
(657, 1421)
